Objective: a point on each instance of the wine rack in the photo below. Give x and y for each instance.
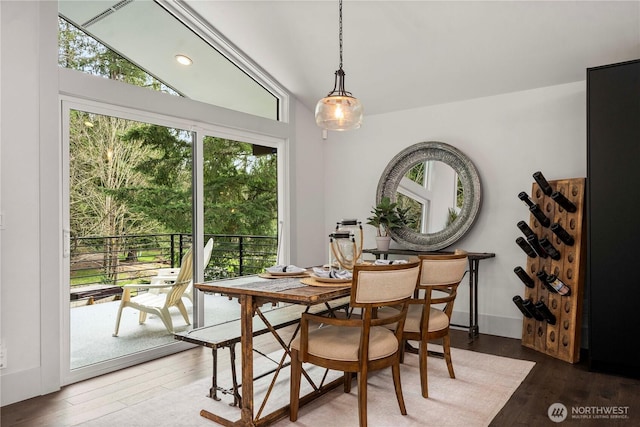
(561, 340)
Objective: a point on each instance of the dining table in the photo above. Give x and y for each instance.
(253, 293)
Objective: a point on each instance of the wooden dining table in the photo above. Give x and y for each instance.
(253, 293)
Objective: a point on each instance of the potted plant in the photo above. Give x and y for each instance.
(385, 217)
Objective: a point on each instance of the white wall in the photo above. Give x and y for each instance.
(308, 211)
(508, 138)
(30, 312)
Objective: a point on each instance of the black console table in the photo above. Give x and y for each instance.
(474, 261)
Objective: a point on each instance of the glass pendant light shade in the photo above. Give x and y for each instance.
(339, 110)
(339, 113)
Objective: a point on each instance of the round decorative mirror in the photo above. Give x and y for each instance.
(438, 188)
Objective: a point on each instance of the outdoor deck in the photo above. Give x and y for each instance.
(92, 328)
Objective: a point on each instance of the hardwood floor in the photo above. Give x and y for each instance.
(549, 382)
(554, 381)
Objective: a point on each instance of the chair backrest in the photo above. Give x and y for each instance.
(442, 272)
(208, 249)
(183, 280)
(443, 269)
(383, 284)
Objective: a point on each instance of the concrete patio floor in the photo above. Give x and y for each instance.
(92, 326)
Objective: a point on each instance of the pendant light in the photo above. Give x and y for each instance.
(339, 110)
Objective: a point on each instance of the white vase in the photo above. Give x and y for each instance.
(383, 242)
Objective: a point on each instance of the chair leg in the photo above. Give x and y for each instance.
(142, 318)
(446, 346)
(423, 369)
(165, 316)
(395, 369)
(362, 397)
(115, 333)
(294, 392)
(347, 381)
(183, 311)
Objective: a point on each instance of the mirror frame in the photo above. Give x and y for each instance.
(421, 152)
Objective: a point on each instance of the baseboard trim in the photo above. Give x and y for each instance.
(493, 325)
(21, 385)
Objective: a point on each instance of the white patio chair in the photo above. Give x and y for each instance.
(160, 303)
(167, 276)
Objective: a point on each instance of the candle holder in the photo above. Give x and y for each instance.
(345, 244)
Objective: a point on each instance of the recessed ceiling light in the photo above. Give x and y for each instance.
(184, 60)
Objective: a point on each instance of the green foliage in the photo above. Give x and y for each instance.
(386, 216)
(459, 192)
(165, 195)
(411, 212)
(417, 173)
(78, 51)
(240, 189)
(100, 166)
(451, 216)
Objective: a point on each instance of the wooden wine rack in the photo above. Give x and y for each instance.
(561, 340)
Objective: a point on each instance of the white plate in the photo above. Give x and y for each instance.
(286, 273)
(330, 279)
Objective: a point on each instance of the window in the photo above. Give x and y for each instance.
(138, 41)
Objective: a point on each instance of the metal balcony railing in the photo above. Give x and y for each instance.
(116, 260)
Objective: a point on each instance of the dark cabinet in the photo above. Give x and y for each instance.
(613, 218)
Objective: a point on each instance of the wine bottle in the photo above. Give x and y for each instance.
(540, 216)
(535, 244)
(526, 230)
(542, 183)
(549, 248)
(530, 306)
(525, 198)
(560, 199)
(520, 304)
(546, 313)
(562, 234)
(526, 279)
(534, 208)
(558, 285)
(542, 275)
(525, 247)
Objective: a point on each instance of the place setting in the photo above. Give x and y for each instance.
(325, 276)
(284, 271)
(331, 277)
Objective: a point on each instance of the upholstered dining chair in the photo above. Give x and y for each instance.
(440, 275)
(359, 344)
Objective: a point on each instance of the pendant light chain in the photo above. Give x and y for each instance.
(340, 31)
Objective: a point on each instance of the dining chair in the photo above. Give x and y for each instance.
(440, 275)
(358, 344)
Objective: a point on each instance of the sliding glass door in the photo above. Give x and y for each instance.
(240, 199)
(141, 190)
(129, 187)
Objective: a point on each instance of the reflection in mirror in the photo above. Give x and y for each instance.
(433, 194)
(440, 189)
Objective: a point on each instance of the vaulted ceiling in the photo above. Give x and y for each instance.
(406, 54)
